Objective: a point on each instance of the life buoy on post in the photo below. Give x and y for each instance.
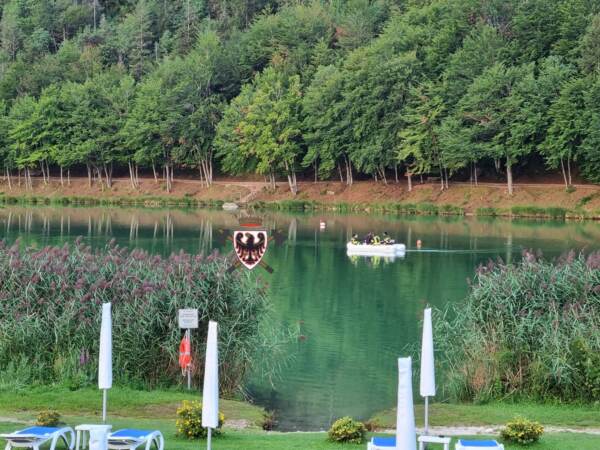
(185, 354)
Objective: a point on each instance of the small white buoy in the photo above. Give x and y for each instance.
(322, 224)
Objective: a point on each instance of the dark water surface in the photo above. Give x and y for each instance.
(355, 315)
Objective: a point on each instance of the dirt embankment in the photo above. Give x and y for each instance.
(463, 195)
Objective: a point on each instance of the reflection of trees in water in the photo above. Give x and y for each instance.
(205, 236)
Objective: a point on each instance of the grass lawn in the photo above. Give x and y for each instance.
(442, 414)
(156, 410)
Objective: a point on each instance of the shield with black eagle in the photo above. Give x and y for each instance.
(250, 246)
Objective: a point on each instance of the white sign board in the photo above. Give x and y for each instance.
(188, 318)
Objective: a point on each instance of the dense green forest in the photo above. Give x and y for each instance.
(330, 88)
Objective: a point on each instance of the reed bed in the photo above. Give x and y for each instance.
(529, 330)
(50, 314)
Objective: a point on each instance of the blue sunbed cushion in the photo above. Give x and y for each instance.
(478, 444)
(38, 431)
(384, 441)
(130, 433)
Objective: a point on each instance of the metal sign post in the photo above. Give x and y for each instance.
(188, 320)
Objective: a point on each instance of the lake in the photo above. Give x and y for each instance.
(355, 316)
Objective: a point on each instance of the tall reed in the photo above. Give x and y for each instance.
(50, 314)
(527, 330)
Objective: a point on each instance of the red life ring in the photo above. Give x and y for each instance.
(185, 353)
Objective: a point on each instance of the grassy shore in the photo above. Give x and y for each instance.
(156, 410)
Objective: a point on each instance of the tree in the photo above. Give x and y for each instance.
(419, 142)
(20, 118)
(327, 132)
(590, 153)
(489, 112)
(263, 128)
(590, 47)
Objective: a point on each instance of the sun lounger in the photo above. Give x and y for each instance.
(130, 439)
(382, 443)
(34, 437)
(464, 444)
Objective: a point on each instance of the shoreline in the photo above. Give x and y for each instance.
(530, 201)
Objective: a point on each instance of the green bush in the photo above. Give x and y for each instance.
(527, 330)
(48, 418)
(522, 431)
(189, 421)
(348, 430)
(61, 289)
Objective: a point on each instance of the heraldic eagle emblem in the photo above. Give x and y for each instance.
(250, 246)
(250, 243)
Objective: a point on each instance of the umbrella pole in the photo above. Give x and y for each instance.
(208, 439)
(426, 415)
(104, 395)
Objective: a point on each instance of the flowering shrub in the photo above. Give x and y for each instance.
(347, 429)
(522, 431)
(50, 303)
(189, 420)
(48, 418)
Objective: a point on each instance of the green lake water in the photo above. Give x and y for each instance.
(355, 315)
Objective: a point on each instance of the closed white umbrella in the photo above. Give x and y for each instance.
(210, 393)
(406, 435)
(105, 357)
(427, 385)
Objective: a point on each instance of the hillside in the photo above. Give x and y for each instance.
(360, 89)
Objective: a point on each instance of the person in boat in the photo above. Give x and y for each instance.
(354, 240)
(368, 238)
(376, 240)
(387, 240)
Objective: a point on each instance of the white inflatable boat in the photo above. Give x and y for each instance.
(375, 250)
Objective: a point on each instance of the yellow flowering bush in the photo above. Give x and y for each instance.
(522, 431)
(48, 418)
(348, 430)
(189, 420)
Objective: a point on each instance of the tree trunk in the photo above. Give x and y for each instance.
(340, 171)
(168, 177)
(396, 173)
(564, 173)
(68, 177)
(8, 179)
(349, 176)
(409, 178)
(89, 172)
(509, 176)
(62, 180)
(154, 173)
(383, 177)
(569, 170)
(475, 172)
(43, 171)
(291, 176)
(316, 172)
(108, 170)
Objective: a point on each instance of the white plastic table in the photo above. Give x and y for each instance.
(445, 441)
(81, 431)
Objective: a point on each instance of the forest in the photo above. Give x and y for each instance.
(330, 89)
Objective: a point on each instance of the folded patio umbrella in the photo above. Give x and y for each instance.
(427, 384)
(105, 357)
(210, 392)
(406, 435)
